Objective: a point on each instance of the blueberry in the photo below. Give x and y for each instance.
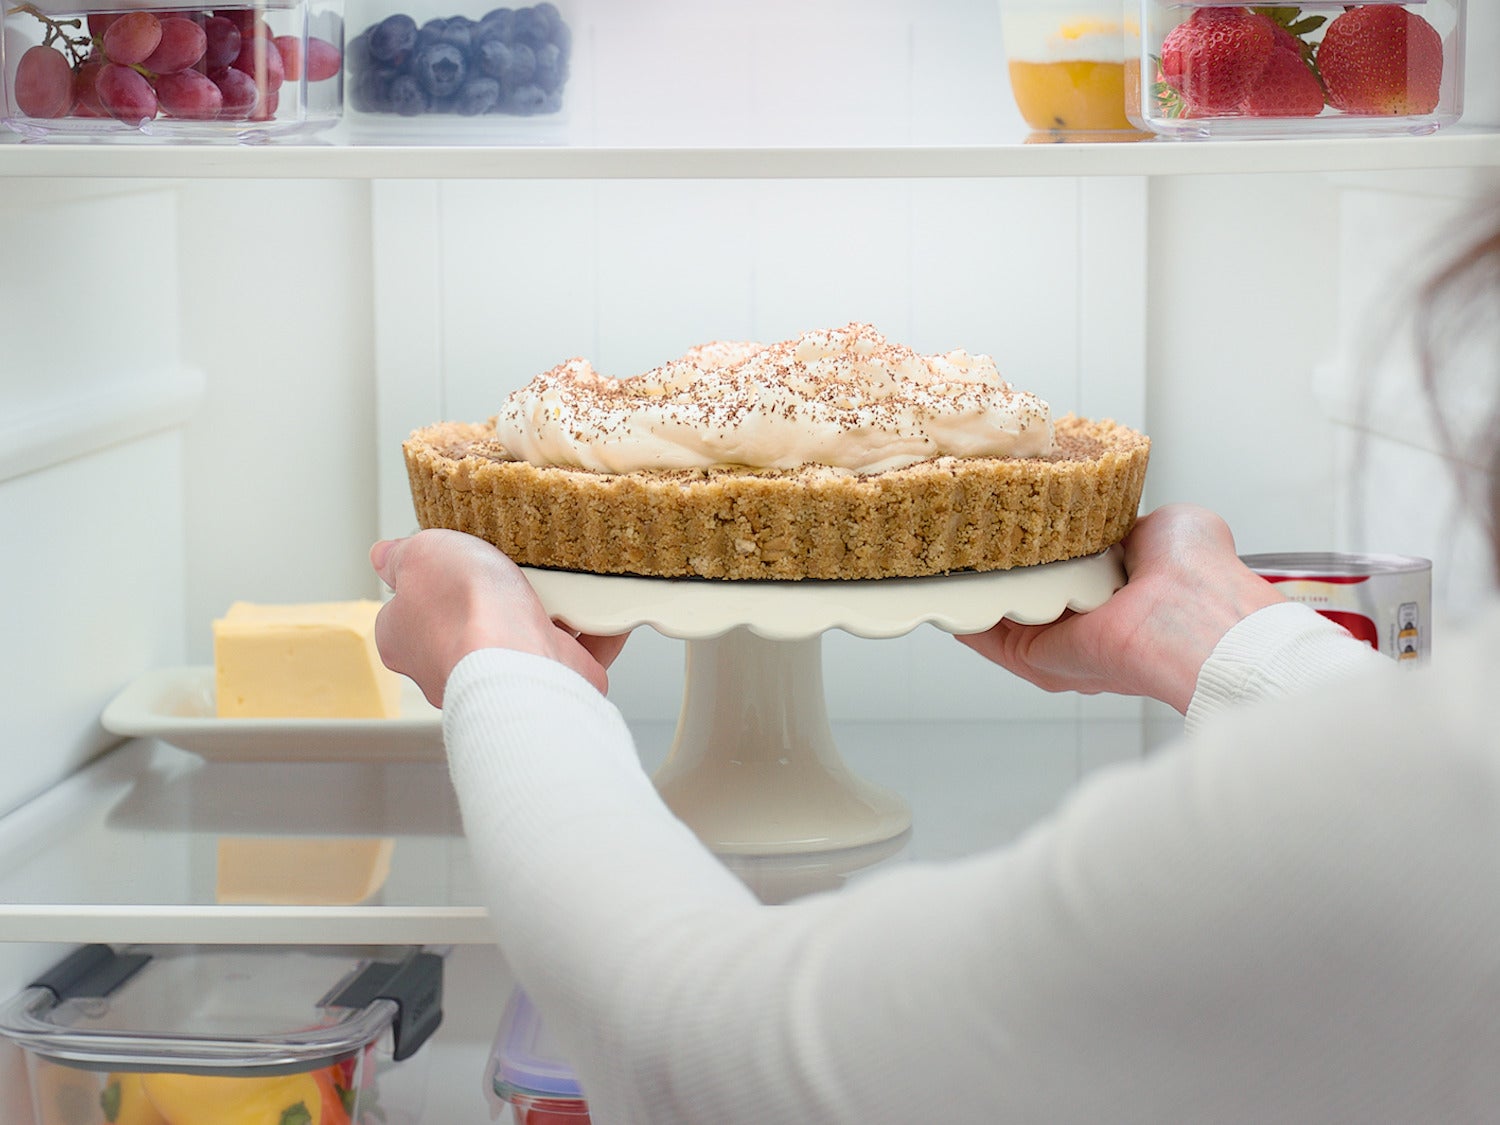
(513, 65)
(392, 37)
(522, 66)
(562, 35)
(357, 53)
(478, 95)
(431, 32)
(532, 27)
(549, 12)
(439, 69)
(406, 97)
(497, 24)
(492, 58)
(525, 100)
(459, 32)
(550, 73)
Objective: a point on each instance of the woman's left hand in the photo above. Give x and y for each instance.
(455, 594)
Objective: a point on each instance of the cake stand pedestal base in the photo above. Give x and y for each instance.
(754, 769)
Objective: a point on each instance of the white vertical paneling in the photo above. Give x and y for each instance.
(95, 596)
(406, 242)
(93, 395)
(960, 88)
(280, 494)
(830, 252)
(1243, 280)
(676, 267)
(840, 72)
(1397, 488)
(822, 78)
(1111, 304)
(518, 287)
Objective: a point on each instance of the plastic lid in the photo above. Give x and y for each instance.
(222, 1009)
(1318, 564)
(525, 1061)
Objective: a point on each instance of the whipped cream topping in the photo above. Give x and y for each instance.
(845, 398)
(1051, 36)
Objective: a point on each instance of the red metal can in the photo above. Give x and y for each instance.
(1383, 600)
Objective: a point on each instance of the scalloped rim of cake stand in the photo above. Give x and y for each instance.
(699, 608)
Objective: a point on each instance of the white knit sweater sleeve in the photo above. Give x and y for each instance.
(1162, 949)
(1279, 650)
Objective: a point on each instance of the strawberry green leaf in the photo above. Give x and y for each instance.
(109, 1101)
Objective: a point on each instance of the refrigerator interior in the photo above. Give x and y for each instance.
(205, 381)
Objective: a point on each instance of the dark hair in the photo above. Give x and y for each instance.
(1459, 307)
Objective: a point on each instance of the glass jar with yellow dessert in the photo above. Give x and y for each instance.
(1066, 61)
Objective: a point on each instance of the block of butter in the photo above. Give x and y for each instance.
(297, 871)
(315, 660)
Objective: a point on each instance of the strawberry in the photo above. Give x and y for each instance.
(1213, 58)
(1381, 59)
(1287, 87)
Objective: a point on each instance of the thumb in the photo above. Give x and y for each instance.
(384, 556)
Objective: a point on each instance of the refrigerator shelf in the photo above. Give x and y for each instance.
(336, 158)
(132, 848)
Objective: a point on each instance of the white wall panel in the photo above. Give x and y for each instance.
(1243, 276)
(280, 502)
(835, 72)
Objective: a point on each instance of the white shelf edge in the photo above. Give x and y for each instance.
(1458, 147)
(131, 407)
(246, 925)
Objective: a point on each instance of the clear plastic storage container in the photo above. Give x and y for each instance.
(1207, 68)
(179, 70)
(527, 1073)
(1066, 60)
(178, 1035)
(461, 70)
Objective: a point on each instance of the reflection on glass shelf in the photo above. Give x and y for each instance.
(151, 840)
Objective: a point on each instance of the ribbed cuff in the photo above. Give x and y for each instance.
(1279, 650)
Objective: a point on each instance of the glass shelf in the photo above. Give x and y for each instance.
(130, 848)
(335, 158)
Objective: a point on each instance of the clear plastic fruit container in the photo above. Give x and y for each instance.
(462, 70)
(180, 1035)
(180, 70)
(1066, 61)
(527, 1074)
(1207, 68)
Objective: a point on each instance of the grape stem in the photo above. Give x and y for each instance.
(77, 46)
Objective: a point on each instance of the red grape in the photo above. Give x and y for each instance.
(242, 18)
(182, 44)
(260, 59)
(189, 94)
(238, 90)
(44, 83)
(99, 23)
(85, 95)
(323, 59)
(125, 93)
(267, 107)
(132, 38)
(289, 47)
(223, 42)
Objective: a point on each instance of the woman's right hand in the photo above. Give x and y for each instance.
(1186, 588)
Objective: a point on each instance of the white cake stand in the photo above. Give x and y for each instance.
(753, 769)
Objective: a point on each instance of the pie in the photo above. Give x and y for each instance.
(834, 455)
